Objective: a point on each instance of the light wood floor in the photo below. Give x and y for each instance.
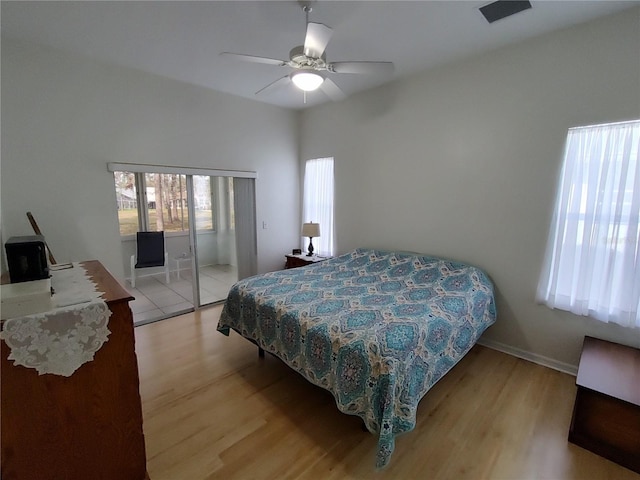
(213, 410)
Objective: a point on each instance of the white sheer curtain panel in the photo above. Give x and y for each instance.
(317, 204)
(592, 262)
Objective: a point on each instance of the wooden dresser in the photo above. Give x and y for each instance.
(606, 415)
(86, 426)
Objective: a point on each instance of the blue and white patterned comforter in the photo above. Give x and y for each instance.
(377, 329)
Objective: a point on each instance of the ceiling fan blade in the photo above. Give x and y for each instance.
(318, 36)
(281, 82)
(332, 90)
(254, 59)
(361, 67)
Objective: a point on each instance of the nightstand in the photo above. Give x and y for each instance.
(606, 414)
(301, 260)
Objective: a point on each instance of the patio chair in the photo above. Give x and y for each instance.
(150, 252)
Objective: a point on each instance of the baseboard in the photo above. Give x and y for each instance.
(531, 357)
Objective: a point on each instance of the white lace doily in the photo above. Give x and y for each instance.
(63, 339)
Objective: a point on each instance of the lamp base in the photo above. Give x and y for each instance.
(310, 249)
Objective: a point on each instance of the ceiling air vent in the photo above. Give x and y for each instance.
(503, 8)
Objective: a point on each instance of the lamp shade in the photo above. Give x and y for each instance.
(311, 230)
(307, 81)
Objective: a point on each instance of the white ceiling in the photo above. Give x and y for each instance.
(182, 40)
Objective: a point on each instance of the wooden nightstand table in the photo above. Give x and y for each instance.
(606, 415)
(301, 260)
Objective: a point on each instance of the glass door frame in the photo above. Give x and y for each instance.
(193, 245)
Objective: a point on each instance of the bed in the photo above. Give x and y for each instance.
(376, 328)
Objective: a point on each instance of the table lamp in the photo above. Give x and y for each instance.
(310, 230)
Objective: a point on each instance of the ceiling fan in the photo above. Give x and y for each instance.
(310, 65)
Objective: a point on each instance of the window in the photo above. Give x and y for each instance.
(151, 202)
(592, 263)
(163, 201)
(127, 200)
(317, 203)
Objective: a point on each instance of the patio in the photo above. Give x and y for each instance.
(157, 300)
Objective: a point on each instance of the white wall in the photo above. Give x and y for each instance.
(462, 162)
(64, 117)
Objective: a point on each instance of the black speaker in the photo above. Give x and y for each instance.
(27, 258)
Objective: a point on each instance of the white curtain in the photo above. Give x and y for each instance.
(244, 204)
(317, 204)
(592, 263)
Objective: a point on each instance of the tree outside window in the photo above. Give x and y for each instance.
(152, 202)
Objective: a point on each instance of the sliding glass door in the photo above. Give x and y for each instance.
(208, 216)
(213, 238)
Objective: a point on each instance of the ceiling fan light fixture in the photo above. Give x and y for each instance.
(307, 81)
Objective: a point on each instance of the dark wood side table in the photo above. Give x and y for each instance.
(606, 414)
(301, 260)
